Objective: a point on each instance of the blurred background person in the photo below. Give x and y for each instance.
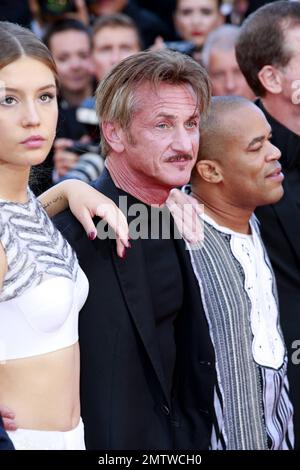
(237, 12)
(114, 37)
(70, 44)
(46, 12)
(150, 25)
(195, 19)
(218, 57)
(240, 9)
(268, 55)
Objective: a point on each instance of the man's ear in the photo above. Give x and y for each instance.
(113, 135)
(209, 171)
(271, 79)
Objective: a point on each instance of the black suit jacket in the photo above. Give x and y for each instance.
(5, 442)
(124, 397)
(280, 229)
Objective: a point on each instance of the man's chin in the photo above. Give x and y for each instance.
(274, 198)
(180, 179)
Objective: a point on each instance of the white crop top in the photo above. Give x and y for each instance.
(44, 287)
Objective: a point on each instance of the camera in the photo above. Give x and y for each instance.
(86, 115)
(80, 148)
(90, 164)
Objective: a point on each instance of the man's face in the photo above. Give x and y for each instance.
(251, 172)
(290, 74)
(225, 74)
(110, 46)
(161, 144)
(72, 55)
(241, 6)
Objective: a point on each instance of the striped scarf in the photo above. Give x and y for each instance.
(252, 407)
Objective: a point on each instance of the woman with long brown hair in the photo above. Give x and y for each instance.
(42, 287)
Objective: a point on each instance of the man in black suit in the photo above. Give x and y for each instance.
(147, 363)
(268, 55)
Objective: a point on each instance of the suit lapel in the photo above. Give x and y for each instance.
(285, 210)
(134, 285)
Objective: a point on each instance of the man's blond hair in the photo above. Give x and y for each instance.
(115, 95)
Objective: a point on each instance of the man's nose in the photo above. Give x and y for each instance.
(182, 140)
(115, 57)
(274, 152)
(76, 63)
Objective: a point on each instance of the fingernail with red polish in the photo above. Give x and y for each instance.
(92, 235)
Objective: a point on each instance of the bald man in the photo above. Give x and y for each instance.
(236, 171)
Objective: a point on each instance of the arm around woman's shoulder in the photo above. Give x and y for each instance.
(69, 226)
(85, 203)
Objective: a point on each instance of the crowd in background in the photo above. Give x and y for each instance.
(87, 38)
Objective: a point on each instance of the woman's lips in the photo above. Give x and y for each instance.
(33, 142)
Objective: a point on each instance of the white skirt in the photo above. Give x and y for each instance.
(29, 439)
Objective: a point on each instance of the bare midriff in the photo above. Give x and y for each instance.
(43, 391)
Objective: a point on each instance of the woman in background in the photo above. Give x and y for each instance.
(195, 19)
